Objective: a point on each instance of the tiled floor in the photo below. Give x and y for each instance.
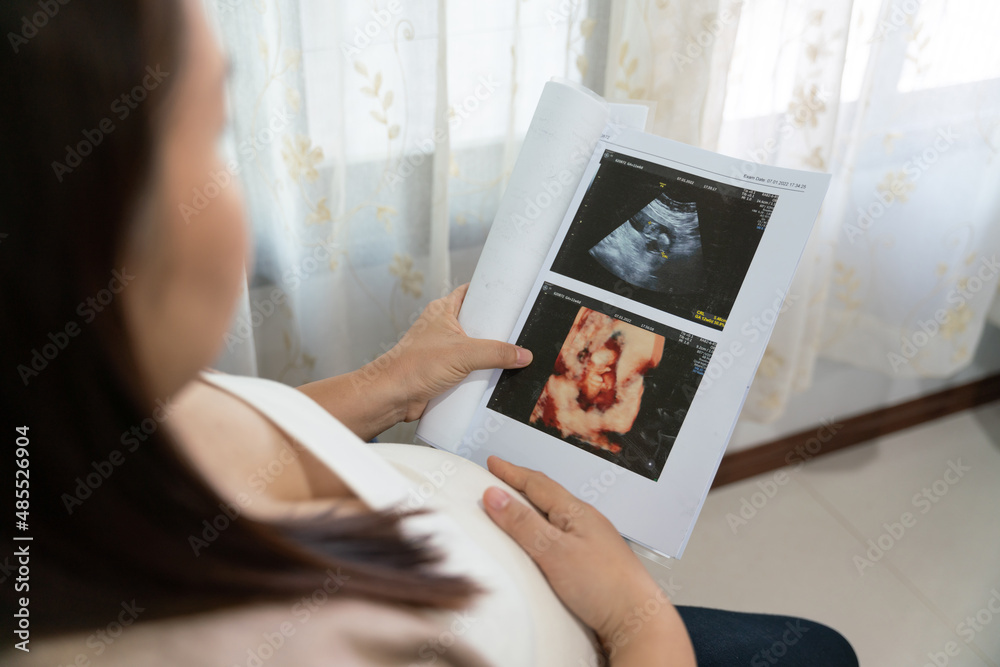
(804, 550)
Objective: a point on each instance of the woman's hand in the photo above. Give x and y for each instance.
(435, 355)
(591, 569)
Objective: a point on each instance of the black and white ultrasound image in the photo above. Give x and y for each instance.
(658, 248)
(662, 237)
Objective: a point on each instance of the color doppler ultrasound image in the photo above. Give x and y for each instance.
(603, 380)
(670, 240)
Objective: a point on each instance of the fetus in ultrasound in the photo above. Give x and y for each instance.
(658, 248)
(595, 390)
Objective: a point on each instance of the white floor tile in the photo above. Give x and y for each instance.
(796, 552)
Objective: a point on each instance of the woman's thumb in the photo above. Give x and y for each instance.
(496, 354)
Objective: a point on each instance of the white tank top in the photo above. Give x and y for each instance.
(519, 620)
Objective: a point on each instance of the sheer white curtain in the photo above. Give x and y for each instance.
(373, 141)
(393, 126)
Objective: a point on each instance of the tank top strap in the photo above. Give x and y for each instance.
(373, 479)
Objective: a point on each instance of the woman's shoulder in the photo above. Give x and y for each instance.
(241, 451)
(310, 632)
(234, 444)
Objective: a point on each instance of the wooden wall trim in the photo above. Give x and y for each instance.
(855, 430)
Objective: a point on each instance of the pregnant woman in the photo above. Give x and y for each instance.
(182, 517)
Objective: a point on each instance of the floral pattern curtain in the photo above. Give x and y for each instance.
(373, 140)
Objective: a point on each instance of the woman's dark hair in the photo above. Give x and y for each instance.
(108, 524)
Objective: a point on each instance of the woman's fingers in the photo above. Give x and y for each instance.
(483, 354)
(453, 302)
(458, 294)
(590, 568)
(548, 496)
(528, 528)
(477, 353)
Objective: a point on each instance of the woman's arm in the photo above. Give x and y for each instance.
(591, 569)
(367, 400)
(432, 357)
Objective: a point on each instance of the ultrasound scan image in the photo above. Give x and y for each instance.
(658, 248)
(664, 238)
(595, 390)
(604, 380)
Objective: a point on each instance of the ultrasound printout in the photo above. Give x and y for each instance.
(673, 241)
(641, 323)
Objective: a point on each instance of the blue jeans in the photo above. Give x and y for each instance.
(727, 638)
